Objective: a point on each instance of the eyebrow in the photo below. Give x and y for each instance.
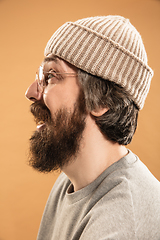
(50, 58)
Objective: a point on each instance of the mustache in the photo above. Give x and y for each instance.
(40, 112)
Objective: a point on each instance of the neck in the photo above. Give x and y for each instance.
(95, 156)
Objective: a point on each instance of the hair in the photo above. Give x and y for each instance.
(119, 123)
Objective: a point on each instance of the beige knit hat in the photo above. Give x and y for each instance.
(109, 47)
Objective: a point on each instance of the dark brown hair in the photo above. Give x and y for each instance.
(119, 123)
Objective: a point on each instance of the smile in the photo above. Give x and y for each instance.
(40, 125)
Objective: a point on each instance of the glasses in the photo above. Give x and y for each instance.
(44, 78)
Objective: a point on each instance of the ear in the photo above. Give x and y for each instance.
(99, 112)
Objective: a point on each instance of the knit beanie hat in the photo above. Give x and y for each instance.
(106, 46)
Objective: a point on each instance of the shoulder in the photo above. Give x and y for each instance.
(121, 201)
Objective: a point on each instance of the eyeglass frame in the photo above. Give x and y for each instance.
(41, 82)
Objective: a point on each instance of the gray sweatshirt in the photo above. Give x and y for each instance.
(123, 203)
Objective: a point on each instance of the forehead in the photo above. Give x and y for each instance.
(58, 64)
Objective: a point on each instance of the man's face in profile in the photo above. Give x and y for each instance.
(60, 116)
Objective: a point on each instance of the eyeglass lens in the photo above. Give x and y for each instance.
(40, 78)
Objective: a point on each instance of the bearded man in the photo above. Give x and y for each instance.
(92, 82)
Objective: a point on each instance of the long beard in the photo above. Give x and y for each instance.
(59, 142)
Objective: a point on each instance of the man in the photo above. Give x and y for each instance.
(88, 90)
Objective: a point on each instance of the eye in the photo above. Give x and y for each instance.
(50, 77)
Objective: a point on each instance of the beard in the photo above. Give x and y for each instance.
(58, 143)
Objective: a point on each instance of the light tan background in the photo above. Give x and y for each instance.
(25, 27)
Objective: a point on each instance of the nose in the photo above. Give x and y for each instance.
(32, 92)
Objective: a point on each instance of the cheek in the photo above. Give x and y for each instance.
(51, 101)
(57, 98)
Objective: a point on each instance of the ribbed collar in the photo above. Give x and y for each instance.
(125, 162)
